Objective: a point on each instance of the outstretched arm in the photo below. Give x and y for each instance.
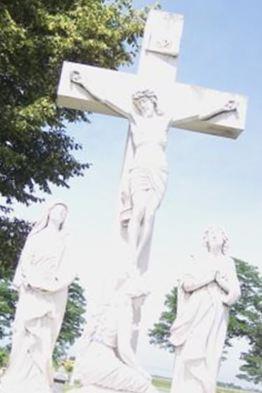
(77, 79)
(230, 106)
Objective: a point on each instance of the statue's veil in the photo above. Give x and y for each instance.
(38, 226)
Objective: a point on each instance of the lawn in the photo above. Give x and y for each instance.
(164, 385)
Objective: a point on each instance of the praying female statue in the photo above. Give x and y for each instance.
(41, 279)
(205, 294)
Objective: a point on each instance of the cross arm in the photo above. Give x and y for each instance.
(95, 89)
(190, 107)
(94, 94)
(208, 111)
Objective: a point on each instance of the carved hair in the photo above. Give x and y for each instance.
(218, 230)
(150, 95)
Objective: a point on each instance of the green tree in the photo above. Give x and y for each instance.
(245, 314)
(73, 322)
(35, 37)
(251, 369)
(8, 300)
(159, 335)
(245, 319)
(3, 357)
(13, 233)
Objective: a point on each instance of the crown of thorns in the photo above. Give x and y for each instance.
(144, 93)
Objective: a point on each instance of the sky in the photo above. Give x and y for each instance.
(212, 180)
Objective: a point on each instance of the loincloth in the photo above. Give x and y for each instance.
(143, 179)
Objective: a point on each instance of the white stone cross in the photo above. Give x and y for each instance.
(115, 93)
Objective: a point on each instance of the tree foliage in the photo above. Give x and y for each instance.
(73, 322)
(13, 233)
(159, 335)
(35, 37)
(8, 300)
(3, 357)
(245, 320)
(251, 369)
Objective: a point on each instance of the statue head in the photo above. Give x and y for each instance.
(215, 239)
(146, 102)
(55, 213)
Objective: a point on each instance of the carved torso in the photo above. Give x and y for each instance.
(149, 136)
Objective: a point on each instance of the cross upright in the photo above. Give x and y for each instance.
(173, 104)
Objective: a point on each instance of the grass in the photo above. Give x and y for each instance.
(164, 385)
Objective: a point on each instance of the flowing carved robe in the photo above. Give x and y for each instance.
(42, 281)
(106, 361)
(199, 330)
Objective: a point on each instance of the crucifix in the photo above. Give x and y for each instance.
(152, 102)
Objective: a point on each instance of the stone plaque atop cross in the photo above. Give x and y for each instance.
(165, 33)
